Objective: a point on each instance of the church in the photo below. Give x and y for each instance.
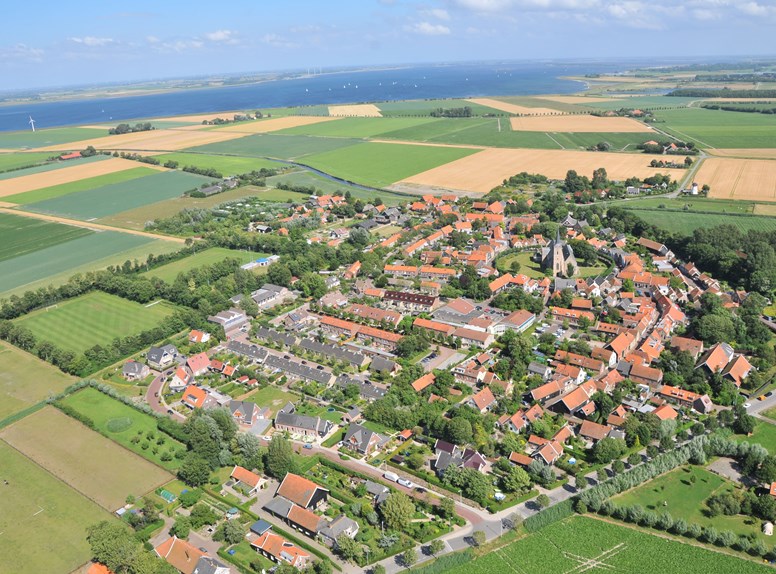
(557, 257)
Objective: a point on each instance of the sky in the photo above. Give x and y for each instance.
(55, 43)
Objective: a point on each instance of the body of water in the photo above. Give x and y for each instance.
(417, 82)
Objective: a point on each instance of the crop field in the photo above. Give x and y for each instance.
(26, 380)
(115, 198)
(720, 129)
(227, 165)
(49, 166)
(687, 222)
(46, 193)
(90, 463)
(582, 544)
(487, 169)
(584, 100)
(170, 271)
(641, 102)
(122, 423)
(358, 110)
(48, 137)
(577, 123)
(474, 132)
(56, 264)
(380, 164)
(359, 127)
(513, 108)
(14, 161)
(273, 124)
(276, 146)
(763, 153)
(96, 318)
(71, 173)
(425, 107)
(739, 178)
(308, 178)
(22, 235)
(34, 504)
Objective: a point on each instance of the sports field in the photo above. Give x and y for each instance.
(359, 127)
(22, 235)
(15, 161)
(123, 423)
(227, 165)
(40, 138)
(115, 198)
(93, 465)
(80, 185)
(43, 521)
(170, 271)
(582, 544)
(380, 164)
(720, 129)
(26, 380)
(276, 146)
(687, 222)
(95, 318)
(739, 178)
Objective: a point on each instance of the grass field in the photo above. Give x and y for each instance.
(717, 128)
(50, 166)
(35, 504)
(26, 380)
(276, 146)
(764, 434)
(55, 265)
(90, 463)
(41, 138)
(686, 499)
(118, 197)
(96, 318)
(358, 127)
(170, 271)
(687, 222)
(533, 269)
(308, 178)
(227, 165)
(14, 161)
(583, 544)
(122, 423)
(271, 397)
(693, 204)
(55, 191)
(22, 235)
(379, 164)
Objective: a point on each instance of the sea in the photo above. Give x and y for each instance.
(376, 85)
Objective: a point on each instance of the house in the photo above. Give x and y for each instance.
(716, 358)
(737, 370)
(198, 364)
(246, 413)
(340, 526)
(302, 492)
(269, 295)
(198, 336)
(362, 440)
(230, 319)
(180, 554)
(594, 432)
(483, 401)
(519, 320)
(410, 301)
(208, 565)
(160, 358)
(287, 420)
(448, 454)
(249, 481)
(196, 397)
(539, 369)
(181, 379)
(280, 550)
(665, 412)
(472, 338)
(691, 346)
(134, 371)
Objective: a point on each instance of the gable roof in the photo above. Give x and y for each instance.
(194, 396)
(592, 430)
(298, 489)
(245, 476)
(280, 548)
(423, 382)
(198, 362)
(180, 554)
(484, 398)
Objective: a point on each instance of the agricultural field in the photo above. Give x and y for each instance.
(275, 146)
(358, 110)
(763, 153)
(525, 105)
(641, 102)
(93, 465)
(47, 166)
(359, 127)
(493, 132)
(717, 128)
(170, 271)
(583, 544)
(697, 204)
(22, 235)
(687, 222)
(55, 265)
(309, 179)
(115, 198)
(272, 124)
(739, 178)
(577, 123)
(40, 138)
(227, 165)
(15, 161)
(26, 380)
(425, 107)
(380, 164)
(86, 184)
(95, 318)
(36, 503)
(123, 423)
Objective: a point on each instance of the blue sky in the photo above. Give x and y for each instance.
(47, 43)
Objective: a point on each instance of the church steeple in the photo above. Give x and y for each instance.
(557, 234)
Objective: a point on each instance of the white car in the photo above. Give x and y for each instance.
(747, 405)
(266, 437)
(405, 482)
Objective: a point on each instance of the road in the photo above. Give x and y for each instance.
(155, 400)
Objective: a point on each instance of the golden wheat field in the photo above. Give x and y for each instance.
(734, 178)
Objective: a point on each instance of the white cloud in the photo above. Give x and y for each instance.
(20, 52)
(278, 41)
(484, 5)
(222, 36)
(180, 46)
(756, 9)
(92, 41)
(438, 13)
(428, 29)
(152, 39)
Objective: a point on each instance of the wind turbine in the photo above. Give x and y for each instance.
(32, 123)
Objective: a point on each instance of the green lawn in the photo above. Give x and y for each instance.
(276, 146)
(687, 222)
(718, 128)
(37, 504)
(80, 185)
(227, 165)
(357, 127)
(527, 267)
(569, 547)
(272, 397)
(771, 414)
(170, 271)
(123, 423)
(309, 179)
(26, 380)
(47, 137)
(115, 198)
(51, 166)
(23, 235)
(96, 318)
(381, 164)
(764, 434)
(14, 161)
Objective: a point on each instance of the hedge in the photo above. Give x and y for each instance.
(549, 515)
(446, 563)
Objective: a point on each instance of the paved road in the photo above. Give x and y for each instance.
(155, 399)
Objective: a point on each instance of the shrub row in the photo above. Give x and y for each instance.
(549, 515)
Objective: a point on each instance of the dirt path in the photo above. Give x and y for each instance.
(90, 225)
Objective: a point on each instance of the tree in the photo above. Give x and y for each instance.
(112, 544)
(515, 480)
(542, 501)
(607, 449)
(409, 557)
(313, 285)
(459, 431)
(348, 548)
(436, 546)
(181, 528)
(397, 510)
(415, 460)
(479, 537)
(195, 470)
(447, 508)
(279, 274)
(744, 424)
(378, 569)
(230, 531)
(280, 457)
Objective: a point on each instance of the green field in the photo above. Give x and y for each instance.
(35, 503)
(642, 102)
(357, 127)
(764, 434)
(687, 222)
(170, 271)
(271, 397)
(425, 107)
(227, 165)
(534, 270)
(111, 199)
(43, 138)
(719, 129)
(122, 423)
(276, 146)
(51, 166)
(93, 319)
(539, 102)
(26, 380)
(381, 164)
(55, 265)
(55, 191)
(693, 204)
(14, 161)
(22, 235)
(309, 179)
(583, 544)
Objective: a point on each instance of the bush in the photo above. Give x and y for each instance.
(549, 516)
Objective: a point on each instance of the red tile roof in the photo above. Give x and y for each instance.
(245, 476)
(298, 489)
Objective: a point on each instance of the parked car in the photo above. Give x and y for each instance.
(392, 476)
(308, 446)
(405, 482)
